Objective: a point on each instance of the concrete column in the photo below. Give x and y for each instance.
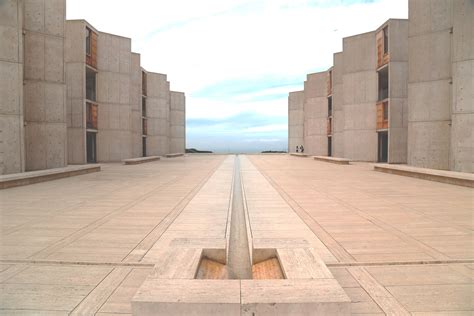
(462, 109)
(114, 137)
(359, 97)
(177, 122)
(158, 113)
(429, 83)
(12, 155)
(337, 106)
(315, 114)
(44, 84)
(136, 104)
(295, 120)
(75, 52)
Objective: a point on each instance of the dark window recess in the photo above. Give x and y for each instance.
(385, 40)
(144, 127)
(385, 111)
(143, 106)
(382, 146)
(90, 85)
(88, 41)
(91, 147)
(383, 83)
(329, 146)
(144, 88)
(144, 146)
(330, 106)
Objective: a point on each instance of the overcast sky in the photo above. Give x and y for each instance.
(236, 60)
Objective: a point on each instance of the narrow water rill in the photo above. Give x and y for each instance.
(238, 254)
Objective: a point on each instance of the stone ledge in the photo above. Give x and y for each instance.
(449, 177)
(31, 177)
(174, 155)
(298, 155)
(139, 160)
(336, 160)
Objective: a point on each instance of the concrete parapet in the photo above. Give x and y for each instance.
(31, 177)
(174, 155)
(450, 177)
(336, 160)
(140, 160)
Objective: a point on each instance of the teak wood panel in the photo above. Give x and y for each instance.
(92, 113)
(91, 59)
(381, 122)
(382, 59)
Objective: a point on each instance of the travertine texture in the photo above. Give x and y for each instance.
(44, 87)
(177, 122)
(440, 91)
(158, 113)
(12, 155)
(295, 120)
(315, 114)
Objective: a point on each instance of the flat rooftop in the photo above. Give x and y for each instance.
(85, 244)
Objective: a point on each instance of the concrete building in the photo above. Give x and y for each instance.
(295, 120)
(400, 94)
(32, 85)
(116, 109)
(440, 89)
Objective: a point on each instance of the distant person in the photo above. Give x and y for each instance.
(302, 149)
(296, 148)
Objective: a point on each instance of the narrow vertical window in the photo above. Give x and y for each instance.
(385, 40)
(88, 41)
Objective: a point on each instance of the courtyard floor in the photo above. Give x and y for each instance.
(84, 245)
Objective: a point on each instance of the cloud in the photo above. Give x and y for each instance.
(232, 57)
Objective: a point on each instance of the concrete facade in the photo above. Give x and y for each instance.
(315, 114)
(32, 83)
(440, 90)
(295, 120)
(177, 122)
(400, 94)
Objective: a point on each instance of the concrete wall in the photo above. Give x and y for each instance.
(44, 84)
(295, 120)
(315, 114)
(359, 97)
(158, 113)
(74, 54)
(12, 155)
(398, 90)
(177, 142)
(136, 105)
(114, 137)
(462, 109)
(337, 106)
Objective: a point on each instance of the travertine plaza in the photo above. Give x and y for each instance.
(149, 230)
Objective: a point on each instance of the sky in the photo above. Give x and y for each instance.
(236, 60)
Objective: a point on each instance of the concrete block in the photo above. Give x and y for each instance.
(54, 17)
(359, 52)
(316, 85)
(360, 145)
(125, 117)
(398, 78)
(398, 117)
(11, 85)
(397, 145)
(294, 297)
(54, 103)
(429, 57)
(10, 43)
(34, 56)
(429, 101)
(187, 297)
(76, 138)
(11, 131)
(9, 11)
(360, 116)
(125, 57)
(462, 142)
(36, 146)
(428, 144)
(338, 68)
(429, 16)
(124, 96)
(398, 40)
(359, 87)
(74, 42)
(104, 119)
(56, 154)
(34, 98)
(463, 87)
(463, 30)
(54, 59)
(34, 15)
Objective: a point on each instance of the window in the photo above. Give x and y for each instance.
(90, 85)
(383, 83)
(143, 106)
(88, 41)
(144, 127)
(329, 106)
(143, 83)
(385, 40)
